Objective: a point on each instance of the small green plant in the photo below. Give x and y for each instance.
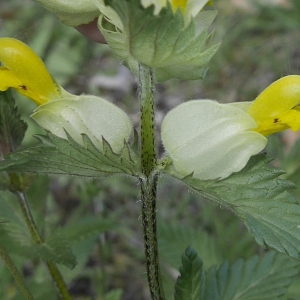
(214, 149)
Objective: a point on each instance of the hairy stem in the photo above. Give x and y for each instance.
(148, 183)
(53, 270)
(16, 274)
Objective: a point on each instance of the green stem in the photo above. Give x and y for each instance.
(29, 218)
(149, 182)
(16, 274)
(59, 281)
(147, 90)
(53, 270)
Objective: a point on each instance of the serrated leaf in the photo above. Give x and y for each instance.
(261, 199)
(190, 283)
(266, 278)
(15, 237)
(12, 128)
(56, 248)
(55, 155)
(163, 41)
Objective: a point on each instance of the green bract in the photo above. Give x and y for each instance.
(210, 140)
(174, 43)
(85, 114)
(72, 12)
(162, 41)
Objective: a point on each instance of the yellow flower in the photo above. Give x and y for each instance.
(277, 107)
(212, 140)
(183, 4)
(190, 8)
(58, 110)
(179, 4)
(24, 71)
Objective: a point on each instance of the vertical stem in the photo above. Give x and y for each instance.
(16, 274)
(147, 91)
(53, 270)
(149, 182)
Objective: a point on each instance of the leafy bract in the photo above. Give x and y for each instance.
(163, 41)
(72, 13)
(265, 278)
(55, 155)
(261, 199)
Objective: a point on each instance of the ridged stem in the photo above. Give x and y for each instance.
(148, 183)
(53, 270)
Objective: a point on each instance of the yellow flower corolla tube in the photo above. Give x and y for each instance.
(24, 71)
(210, 140)
(58, 110)
(277, 107)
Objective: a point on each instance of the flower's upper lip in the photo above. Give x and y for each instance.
(279, 97)
(274, 109)
(26, 72)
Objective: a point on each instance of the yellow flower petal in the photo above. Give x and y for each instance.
(23, 70)
(179, 4)
(274, 109)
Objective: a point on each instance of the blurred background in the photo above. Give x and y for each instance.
(260, 43)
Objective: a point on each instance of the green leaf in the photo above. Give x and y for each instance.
(190, 283)
(163, 41)
(12, 128)
(72, 13)
(260, 199)
(55, 155)
(13, 229)
(86, 228)
(56, 248)
(266, 278)
(114, 295)
(15, 236)
(172, 241)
